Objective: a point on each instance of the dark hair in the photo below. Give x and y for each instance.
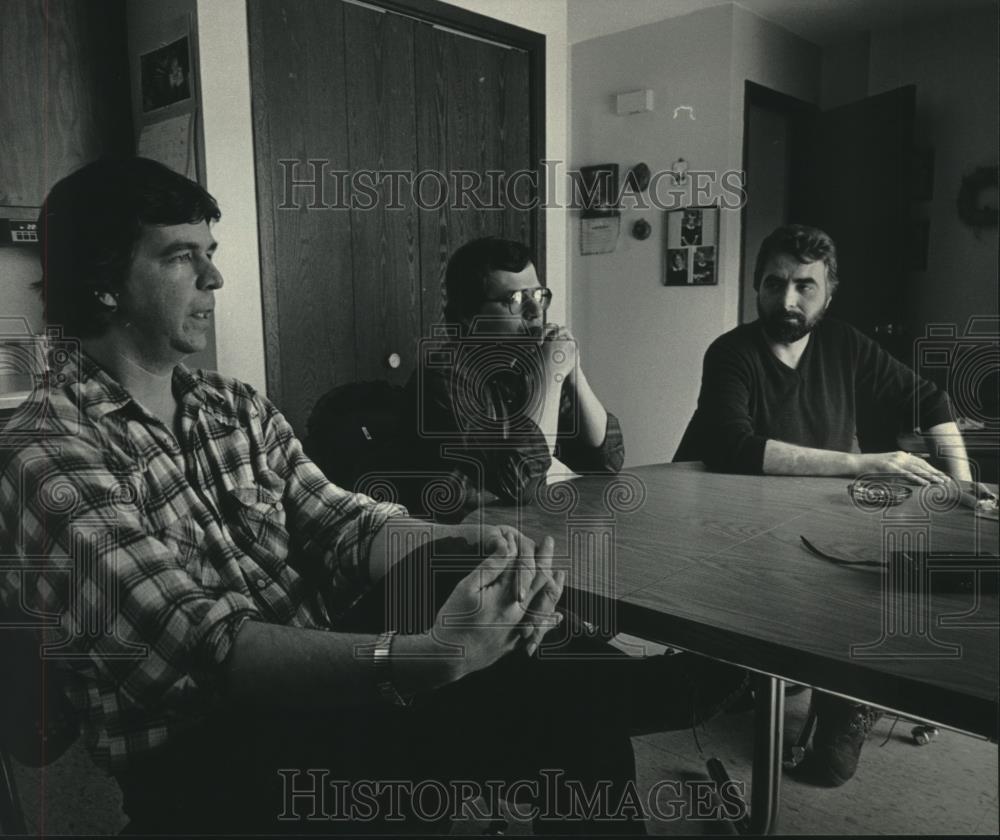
(89, 226)
(471, 266)
(804, 243)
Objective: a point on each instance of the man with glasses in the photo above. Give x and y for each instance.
(503, 404)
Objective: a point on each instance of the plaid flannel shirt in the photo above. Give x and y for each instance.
(143, 555)
(480, 414)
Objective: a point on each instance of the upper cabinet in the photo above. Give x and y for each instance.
(64, 93)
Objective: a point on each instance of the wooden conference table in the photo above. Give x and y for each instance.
(714, 564)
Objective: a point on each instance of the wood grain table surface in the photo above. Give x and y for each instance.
(714, 563)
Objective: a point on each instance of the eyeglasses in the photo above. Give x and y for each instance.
(515, 300)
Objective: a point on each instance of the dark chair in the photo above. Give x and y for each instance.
(364, 436)
(356, 429)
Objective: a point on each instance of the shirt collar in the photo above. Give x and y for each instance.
(100, 394)
(193, 392)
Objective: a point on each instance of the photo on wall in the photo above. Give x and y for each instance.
(677, 266)
(166, 76)
(692, 247)
(691, 227)
(703, 271)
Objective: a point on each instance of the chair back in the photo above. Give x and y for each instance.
(359, 428)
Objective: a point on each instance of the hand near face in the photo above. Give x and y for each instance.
(560, 355)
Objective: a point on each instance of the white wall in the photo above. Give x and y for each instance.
(954, 64)
(642, 343)
(229, 163)
(595, 18)
(19, 268)
(845, 71)
(225, 94)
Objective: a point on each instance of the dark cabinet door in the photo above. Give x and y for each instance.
(473, 125)
(300, 132)
(381, 105)
(354, 109)
(64, 95)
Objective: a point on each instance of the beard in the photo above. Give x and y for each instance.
(787, 327)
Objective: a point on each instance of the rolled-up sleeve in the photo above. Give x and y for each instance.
(580, 455)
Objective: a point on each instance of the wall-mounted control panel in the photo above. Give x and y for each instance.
(18, 232)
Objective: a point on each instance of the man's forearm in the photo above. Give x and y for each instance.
(395, 539)
(593, 416)
(546, 415)
(945, 441)
(291, 667)
(782, 458)
(401, 535)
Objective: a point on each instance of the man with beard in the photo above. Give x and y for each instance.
(784, 395)
(794, 393)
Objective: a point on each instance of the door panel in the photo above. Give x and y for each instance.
(299, 109)
(380, 106)
(474, 118)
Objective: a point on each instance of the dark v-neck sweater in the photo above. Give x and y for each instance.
(843, 379)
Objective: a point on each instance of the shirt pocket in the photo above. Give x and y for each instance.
(186, 539)
(255, 516)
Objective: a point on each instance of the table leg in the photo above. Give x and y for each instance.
(765, 795)
(11, 815)
(769, 711)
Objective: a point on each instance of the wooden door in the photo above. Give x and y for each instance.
(64, 93)
(300, 115)
(381, 105)
(473, 120)
(353, 271)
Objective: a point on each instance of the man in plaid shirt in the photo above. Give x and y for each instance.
(208, 579)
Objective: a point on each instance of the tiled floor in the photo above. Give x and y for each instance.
(946, 787)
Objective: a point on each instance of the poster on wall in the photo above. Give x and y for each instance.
(692, 247)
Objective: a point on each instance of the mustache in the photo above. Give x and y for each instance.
(787, 318)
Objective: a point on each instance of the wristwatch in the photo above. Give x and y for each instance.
(383, 670)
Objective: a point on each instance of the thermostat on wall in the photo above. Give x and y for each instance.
(17, 232)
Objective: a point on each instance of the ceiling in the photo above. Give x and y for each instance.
(819, 21)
